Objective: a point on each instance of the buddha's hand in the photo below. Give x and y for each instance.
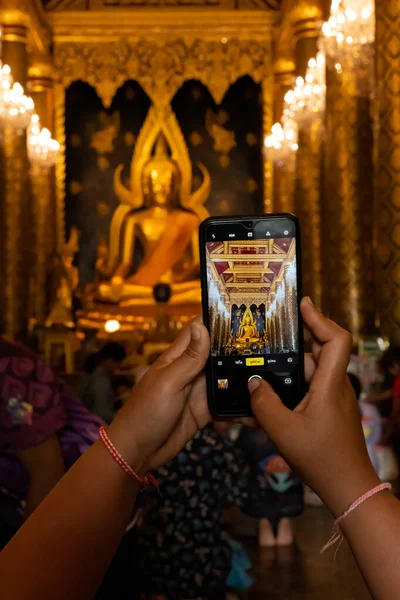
(322, 438)
(169, 404)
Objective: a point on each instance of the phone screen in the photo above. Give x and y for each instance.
(252, 283)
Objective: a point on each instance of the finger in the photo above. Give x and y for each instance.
(309, 367)
(267, 407)
(184, 368)
(177, 347)
(335, 342)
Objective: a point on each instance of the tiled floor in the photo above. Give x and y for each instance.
(300, 572)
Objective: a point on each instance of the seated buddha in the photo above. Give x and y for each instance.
(248, 333)
(166, 233)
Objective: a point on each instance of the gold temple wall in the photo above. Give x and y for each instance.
(161, 51)
(387, 208)
(347, 208)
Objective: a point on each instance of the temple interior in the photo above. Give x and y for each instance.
(253, 297)
(123, 125)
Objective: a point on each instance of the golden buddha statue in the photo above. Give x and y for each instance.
(248, 333)
(165, 232)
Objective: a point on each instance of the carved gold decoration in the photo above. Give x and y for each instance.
(161, 52)
(42, 192)
(161, 69)
(388, 165)
(16, 212)
(308, 206)
(64, 281)
(347, 207)
(267, 103)
(59, 128)
(283, 175)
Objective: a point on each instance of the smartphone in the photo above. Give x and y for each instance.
(251, 290)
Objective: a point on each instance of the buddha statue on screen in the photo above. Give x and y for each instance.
(163, 224)
(248, 333)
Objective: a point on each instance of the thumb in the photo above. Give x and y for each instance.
(267, 407)
(191, 362)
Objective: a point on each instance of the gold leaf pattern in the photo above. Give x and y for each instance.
(75, 187)
(102, 209)
(252, 186)
(103, 163)
(224, 161)
(75, 140)
(251, 139)
(129, 139)
(196, 139)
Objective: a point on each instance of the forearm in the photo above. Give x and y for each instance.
(38, 491)
(88, 510)
(373, 532)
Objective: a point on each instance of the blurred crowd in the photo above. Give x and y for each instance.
(177, 545)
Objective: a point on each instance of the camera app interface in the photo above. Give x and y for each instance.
(252, 299)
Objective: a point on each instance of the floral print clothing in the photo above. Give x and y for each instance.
(182, 550)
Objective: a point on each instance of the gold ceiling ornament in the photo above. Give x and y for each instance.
(306, 101)
(16, 108)
(349, 34)
(42, 148)
(162, 68)
(282, 142)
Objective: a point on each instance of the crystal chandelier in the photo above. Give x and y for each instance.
(282, 141)
(42, 149)
(349, 33)
(15, 107)
(307, 101)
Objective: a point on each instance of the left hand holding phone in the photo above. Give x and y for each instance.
(168, 405)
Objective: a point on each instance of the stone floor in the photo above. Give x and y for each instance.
(300, 572)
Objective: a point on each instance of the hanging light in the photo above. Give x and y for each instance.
(16, 108)
(306, 101)
(282, 141)
(349, 33)
(42, 148)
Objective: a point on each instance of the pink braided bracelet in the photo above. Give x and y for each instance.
(337, 535)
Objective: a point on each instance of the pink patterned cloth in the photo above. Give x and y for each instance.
(34, 405)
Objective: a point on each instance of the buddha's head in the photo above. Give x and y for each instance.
(247, 320)
(160, 177)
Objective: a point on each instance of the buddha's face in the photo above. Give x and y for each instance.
(247, 320)
(161, 185)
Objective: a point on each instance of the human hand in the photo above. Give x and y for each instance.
(168, 405)
(322, 439)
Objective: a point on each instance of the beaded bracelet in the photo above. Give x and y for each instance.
(146, 480)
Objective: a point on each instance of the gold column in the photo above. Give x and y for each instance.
(43, 186)
(348, 203)
(308, 173)
(284, 176)
(267, 103)
(16, 230)
(388, 165)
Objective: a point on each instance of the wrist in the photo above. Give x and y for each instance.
(122, 435)
(346, 491)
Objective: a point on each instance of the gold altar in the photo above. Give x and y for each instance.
(162, 188)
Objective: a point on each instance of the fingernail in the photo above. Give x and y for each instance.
(308, 299)
(195, 332)
(254, 383)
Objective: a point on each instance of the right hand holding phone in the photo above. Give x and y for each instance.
(322, 439)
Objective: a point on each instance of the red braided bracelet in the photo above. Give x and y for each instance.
(146, 480)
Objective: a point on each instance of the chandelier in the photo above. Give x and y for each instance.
(307, 100)
(282, 141)
(349, 33)
(15, 107)
(42, 149)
